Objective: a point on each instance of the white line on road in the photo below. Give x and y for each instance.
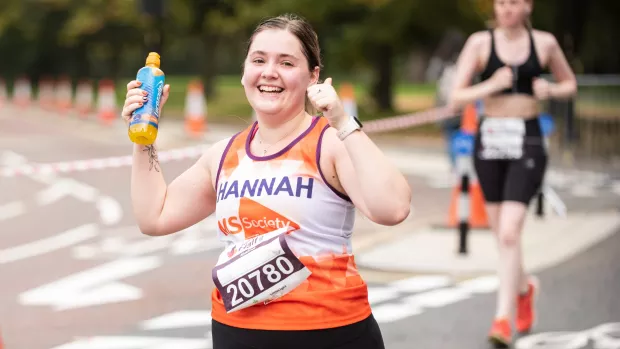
(128, 241)
(436, 296)
(12, 159)
(395, 309)
(12, 210)
(422, 283)
(47, 245)
(66, 187)
(110, 210)
(179, 319)
(91, 287)
(135, 342)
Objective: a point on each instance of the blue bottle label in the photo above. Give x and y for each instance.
(153, 84)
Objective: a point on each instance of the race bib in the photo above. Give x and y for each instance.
(502, 138)
(258, 271)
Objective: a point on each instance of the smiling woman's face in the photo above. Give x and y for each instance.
(276, 73)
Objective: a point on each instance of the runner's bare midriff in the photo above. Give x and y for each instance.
(516, 105)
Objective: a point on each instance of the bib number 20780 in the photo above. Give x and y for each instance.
(262, 274)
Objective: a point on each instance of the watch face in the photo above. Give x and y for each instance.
(359, 123)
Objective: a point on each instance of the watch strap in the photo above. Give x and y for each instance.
(352, 125)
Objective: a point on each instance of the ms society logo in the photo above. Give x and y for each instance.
(254, 219)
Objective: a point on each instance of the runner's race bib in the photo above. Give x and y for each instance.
(502, 138)
(258, 271)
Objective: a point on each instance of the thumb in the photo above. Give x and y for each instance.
(328, 81)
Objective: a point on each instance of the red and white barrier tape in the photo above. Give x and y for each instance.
(393, 123)
(97, 164)
(409, 120)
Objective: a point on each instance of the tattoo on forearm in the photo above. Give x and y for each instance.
(153, 161)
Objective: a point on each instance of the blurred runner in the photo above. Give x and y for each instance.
(510, 156)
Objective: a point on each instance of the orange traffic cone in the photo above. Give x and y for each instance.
(22, 92)
(195, 109)
(347, 96)
(469, 119)
(106, 99)
(64, 95)
(476, 212)
(84, 98)
(45, 96)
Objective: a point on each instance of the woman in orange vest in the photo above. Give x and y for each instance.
(284, 191)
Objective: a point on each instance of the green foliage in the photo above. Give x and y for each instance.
(370, 40)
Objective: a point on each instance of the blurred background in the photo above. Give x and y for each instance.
(76, 273)
(392, 51)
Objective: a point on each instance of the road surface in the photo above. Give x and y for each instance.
(76, 273)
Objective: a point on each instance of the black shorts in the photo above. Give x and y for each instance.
(360, 335)
(516, 179)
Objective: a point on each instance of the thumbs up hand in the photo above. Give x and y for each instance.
(325, 99)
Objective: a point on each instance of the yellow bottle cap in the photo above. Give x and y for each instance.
(153, 59)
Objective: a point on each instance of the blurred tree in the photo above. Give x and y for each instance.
(64, 37)
(108, 38)
(374, 33)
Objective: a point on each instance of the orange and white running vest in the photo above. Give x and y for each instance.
(285, 192)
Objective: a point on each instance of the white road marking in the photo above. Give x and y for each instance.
(437, 298)
(66, 187)
(12, 210)
(434, 296)
(422, 283)
(50, 244)
(584, 190)
(91, 287)
(395, 309)
(128, 241)
(179, 319)
(391, 312)
(135, 342)
(11, 159)
(110, 210)
(603, 336)
(381, 294)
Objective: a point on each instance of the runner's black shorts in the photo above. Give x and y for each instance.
(513, 180)
(364, 334)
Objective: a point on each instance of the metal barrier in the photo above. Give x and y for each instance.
(588, 126)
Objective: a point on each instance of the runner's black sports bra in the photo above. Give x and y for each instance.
(523, 74)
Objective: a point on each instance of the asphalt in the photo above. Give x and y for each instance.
(578, 295)
(102, 282)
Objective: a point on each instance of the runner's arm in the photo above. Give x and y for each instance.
(463, 92)
(566, 86)
(162, 209)
(374, 184)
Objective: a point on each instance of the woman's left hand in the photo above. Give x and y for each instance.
(542, 89)
(325, 99)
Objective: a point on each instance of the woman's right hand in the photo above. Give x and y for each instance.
(503, 78)
(136, 97)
